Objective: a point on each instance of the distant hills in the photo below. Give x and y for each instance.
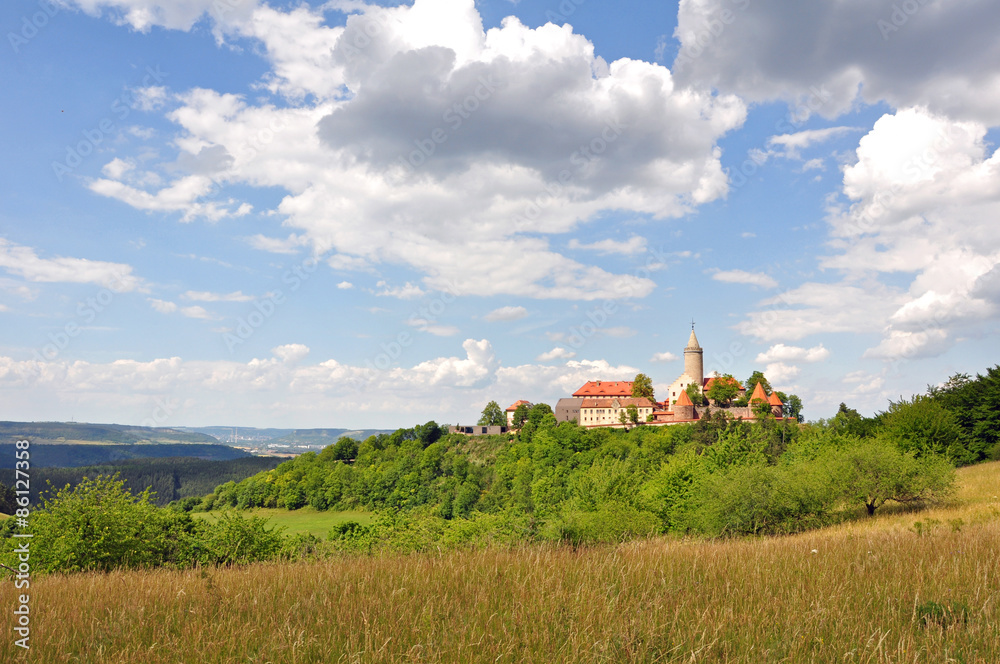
(67, 444)
(71, 444)
(295, 438)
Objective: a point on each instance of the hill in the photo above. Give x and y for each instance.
(83, 432)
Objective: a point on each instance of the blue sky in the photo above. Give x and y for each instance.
(351, 215)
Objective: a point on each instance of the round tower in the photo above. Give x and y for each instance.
(694, 365)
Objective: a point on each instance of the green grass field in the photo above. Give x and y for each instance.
(294, 522)
(902, 587)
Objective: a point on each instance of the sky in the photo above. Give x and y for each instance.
(340, 214)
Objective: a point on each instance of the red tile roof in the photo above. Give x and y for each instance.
(684, 399)
(758, 394)
(605, 388)
(517, 403)
(774, 399)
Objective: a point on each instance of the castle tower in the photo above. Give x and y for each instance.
(694, 365)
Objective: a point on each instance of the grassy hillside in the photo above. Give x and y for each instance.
(900, 587)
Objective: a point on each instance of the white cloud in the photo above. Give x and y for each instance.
(149, 98)
(25, 263)
(557, 353)
(290, 245)
(167, 307)
(406, 292)
(290, 353)
(181, 196)
(742, 277)
(633, 245)
(345, 285)
(431, 327)
(163, 306)
(900, 344)
(480, 209)
(779, 372)
(285, 390)
(117, 168)
(206, 296)
(783, 353)
(665, 356)
(943, 56)
(506, 314)
(792, 144)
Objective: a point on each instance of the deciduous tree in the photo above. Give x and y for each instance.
(492, 416)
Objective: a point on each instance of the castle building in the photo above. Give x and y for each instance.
(600, 403)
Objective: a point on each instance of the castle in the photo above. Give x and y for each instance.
(601, 403)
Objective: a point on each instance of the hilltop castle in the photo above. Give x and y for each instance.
(600, 403)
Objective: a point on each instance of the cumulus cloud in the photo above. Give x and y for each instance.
(506, 314)
(944, 56)
(665, 356)
(290, 352)
(779, 372)
(557, 353)
(432, 148)
(25, 263)
(743, 277)
(783, 353)
(633, 245)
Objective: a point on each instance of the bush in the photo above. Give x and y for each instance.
(613, 522)
(762, 500)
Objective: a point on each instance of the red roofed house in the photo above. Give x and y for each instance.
(513, 407)
(606, 411)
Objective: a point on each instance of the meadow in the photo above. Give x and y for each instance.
(903, 586)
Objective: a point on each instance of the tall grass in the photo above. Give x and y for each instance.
(856, 592)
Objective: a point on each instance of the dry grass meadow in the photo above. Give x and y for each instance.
(852, 593)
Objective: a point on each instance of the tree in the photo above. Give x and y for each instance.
(874, 470)
(8, 499)
(345, 449)
(520, 415)
(758, 377)
(695, 394)
(923, 426)
(723, 390)
(633, 413)
(430, 433)
(492, 416)
(791, 406)
(642, 386)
